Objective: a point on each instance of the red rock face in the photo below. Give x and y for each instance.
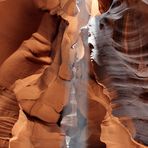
(46, 4)
(19, 19)
(104, 5)
(121, 62)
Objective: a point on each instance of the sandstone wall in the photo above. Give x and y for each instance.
(18, 19)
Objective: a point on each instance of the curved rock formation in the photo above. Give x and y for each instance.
(120, 62)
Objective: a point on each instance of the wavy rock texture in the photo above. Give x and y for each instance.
(120, 61)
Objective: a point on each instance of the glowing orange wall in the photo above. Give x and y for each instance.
(18, 19)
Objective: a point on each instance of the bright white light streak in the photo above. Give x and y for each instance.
(72, 119)
(145, 1)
